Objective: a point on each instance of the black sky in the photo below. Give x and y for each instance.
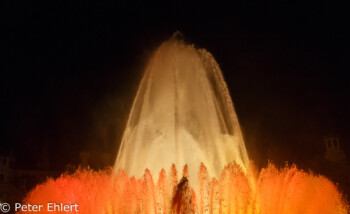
(70, 71)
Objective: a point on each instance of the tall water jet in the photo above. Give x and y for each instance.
(182, 114)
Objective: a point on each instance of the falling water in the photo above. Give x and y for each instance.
(182, 114)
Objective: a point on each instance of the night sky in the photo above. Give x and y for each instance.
(69, 72)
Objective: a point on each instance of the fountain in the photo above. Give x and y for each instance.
(183, 118)
(182, 114)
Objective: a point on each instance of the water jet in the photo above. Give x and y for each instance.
(182, 114)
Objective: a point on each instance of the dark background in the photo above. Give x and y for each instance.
(70, 72)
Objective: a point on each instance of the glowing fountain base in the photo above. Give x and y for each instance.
(287, 190)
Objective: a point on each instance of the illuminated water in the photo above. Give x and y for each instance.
(182, 114)
(285, 191)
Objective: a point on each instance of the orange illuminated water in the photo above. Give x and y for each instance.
(284, 191)
(183, 115)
